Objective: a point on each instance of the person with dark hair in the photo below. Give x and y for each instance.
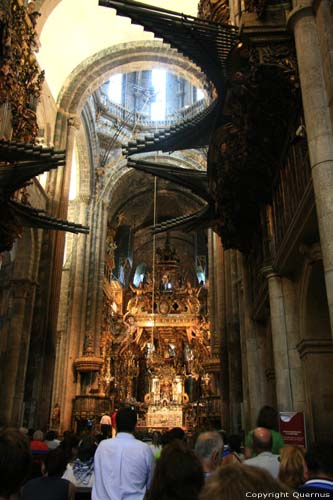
(51, 486)
(267, 418)
(264, 459)
(178, 474)
(235, 455)
(81, 471)
(15, 463)
(156, 444)
(51, 440)
(235, 482)
(123, 465)
(319, 461)
(69, 445)
(209, 449)
(106, 425)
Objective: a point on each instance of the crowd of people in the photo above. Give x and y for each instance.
(171, 466)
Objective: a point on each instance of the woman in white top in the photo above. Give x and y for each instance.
(80, 472)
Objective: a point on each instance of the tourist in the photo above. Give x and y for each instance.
(123, 465)
(39, 451)
(235, 482)
(267, 418)
(235, 455)
(319, 461)
(209, 449)
(81, 471)
(51, 440)
(174, 433)
(106, 425)
(51, 486)
(292, 466)
(69, 445)
(264, 459)
(178, 474)
(38, 444)
(156, 444)
(15, 463)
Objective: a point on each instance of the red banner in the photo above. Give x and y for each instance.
(292, 428)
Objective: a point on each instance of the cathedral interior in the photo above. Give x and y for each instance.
(166, 212)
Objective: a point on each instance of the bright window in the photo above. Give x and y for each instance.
(115, 88)
(158, 77)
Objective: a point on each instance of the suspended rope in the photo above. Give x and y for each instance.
(154, 263)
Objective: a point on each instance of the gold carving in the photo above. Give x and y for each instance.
(20, 78)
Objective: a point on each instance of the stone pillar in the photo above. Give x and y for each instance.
(74, 327)
(211, 289)
(221, 344)
(292, 327)
(253, 369)
(318, 128)
(280, 341)
(233, 346)
(16, 357)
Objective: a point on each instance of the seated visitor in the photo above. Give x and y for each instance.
(69, 445)
(235, 453)
(209, 449)
(178, 474)
(264, 459)
(292, 466)
(39, 451)
(80, 472)
(51, 486)
(234, 482)
(15, 463)
(319, 461)
(51, 440)
(37, 443)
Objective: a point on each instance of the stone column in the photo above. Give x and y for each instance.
(234, 354)
(75, 326)
(280, 341)
(61, 199)
(220, 349)
(252, 355)
(292, 327)
(318, 128)
(16, 357)
(211, 289)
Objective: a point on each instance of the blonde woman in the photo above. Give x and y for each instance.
(292, 466)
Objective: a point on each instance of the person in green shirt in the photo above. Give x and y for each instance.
(268, 418)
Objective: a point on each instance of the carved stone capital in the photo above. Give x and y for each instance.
(268, 272)
(23, 288)
(311, 252)
(74, 121)
(308, 347)
(303, 10)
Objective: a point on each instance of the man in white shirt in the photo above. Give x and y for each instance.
(123, 465)
(262, 445)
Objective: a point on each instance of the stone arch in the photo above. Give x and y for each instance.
(96, 69)
(124, 57)
(45, 8)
